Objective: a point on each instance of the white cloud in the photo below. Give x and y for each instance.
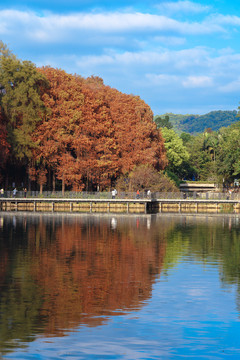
(135, 51)
(195, 68)
(162, 79)
(170, 40)
(195, 78)
(180, 60)
(51, 28)
(224, 66)
(226, 20)
(183, 7)
(198, 82)
(96, 60)
(233, 86)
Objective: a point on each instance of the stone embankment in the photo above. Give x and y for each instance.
(120, 205)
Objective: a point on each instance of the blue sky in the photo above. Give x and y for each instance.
(178, 56)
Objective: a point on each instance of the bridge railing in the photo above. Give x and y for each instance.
(126, 195)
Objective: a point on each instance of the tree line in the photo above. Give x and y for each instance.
(195, 124)
(63, 131)
(59, 129)
(208, 156)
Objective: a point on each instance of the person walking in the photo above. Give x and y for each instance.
(114, 193)
(2, 192)
(14, 192)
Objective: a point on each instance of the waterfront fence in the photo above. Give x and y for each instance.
(126, 195)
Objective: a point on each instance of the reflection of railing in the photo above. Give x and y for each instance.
(127, 195)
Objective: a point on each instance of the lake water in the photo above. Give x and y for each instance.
(119, 287)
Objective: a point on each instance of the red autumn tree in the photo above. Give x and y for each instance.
(136, 134)
(133, 132)
(91, 133)
(100, 131)
(55, 134)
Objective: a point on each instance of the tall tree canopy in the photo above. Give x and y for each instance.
(176, 151)
(228, 152)
(92, 133)
(20, 101)
(58, 125)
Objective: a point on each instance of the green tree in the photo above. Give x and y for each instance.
(4, 51)
(176, 152)
(229, 152)
(163, 122)
(200, 158)
(210, 143)
(185, 137)
(20, 101)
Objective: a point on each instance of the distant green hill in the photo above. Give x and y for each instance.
(198, 123)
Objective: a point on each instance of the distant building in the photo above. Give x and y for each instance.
(198, 187)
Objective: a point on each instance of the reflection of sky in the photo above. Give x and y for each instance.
(189, 315)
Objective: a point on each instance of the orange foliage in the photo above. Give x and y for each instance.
(90, 271)
(93, 133)
(137, 136)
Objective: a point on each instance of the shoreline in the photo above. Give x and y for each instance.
(128, 206)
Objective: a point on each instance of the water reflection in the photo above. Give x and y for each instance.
(113, 223)
(214, 239)
(60, 272)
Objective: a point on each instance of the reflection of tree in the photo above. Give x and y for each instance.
(216, 241)
(20, 299)
(59, 273)
(92, 270)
